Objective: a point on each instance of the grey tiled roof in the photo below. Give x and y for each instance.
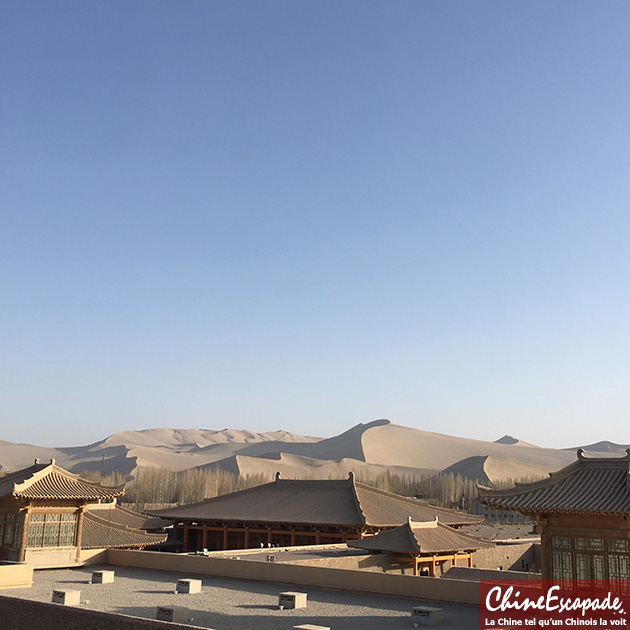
(337, 502)
(122, 516)
(101, 532)
(588, 485)
(429, 537)
(48, 481)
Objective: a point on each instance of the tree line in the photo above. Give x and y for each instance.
(160, 486)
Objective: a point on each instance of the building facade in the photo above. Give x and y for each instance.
(290, 512)
(583, 516)
(47, 514)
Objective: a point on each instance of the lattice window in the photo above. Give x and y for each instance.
(562, 565)
(52, 530)
(589, 544)
(561, 542)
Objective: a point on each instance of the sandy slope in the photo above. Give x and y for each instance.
(388, 443)
(377, 445)
(490, 470)
(298, 466)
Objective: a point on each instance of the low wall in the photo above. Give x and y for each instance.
(15, 575)
(51, 557)
(416, 587)
(18, 614)
(93, 556)
(507, 557)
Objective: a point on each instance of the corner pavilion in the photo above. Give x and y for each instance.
(290, 512)
(583, 514)
(428, 545)
(48, 516)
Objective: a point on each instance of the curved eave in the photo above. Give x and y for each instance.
(552, 510)
(268, 524)
(95, 496)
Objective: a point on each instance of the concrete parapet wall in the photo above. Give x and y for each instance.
(15, 575)
(430, 589)
(18, 614)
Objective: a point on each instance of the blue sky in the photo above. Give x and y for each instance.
(305, 215)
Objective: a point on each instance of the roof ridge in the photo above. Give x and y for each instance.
(210, 499)
(77, 477)
(558, 475)
(388, 493)
(33, 478)
(355, 496)
(412, 536)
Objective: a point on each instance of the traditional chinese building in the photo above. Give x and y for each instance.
(288, 512)
(430, 547)
(583, 514)
(48, 515)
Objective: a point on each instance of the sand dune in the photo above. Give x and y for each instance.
(374, 446)
(508, 439)
(604, 448)
(491, 471)
(298, 466)
(387, 443)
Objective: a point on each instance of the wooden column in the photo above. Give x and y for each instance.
(246, 542)
(433, 566)
(79, 531)
(204, 537)
(318, 537)
(25, 526)
(225, 538)
(185, 537)
(470, 560)
(268, 535)
(415, 565)
(293, 538)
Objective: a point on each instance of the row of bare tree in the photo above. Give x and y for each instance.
(159, 486)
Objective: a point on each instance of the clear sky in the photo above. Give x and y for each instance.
(303, 215)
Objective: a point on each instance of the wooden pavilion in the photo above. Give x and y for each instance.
(289, 512)
(427, 546)
(48, 515)
(583, 514)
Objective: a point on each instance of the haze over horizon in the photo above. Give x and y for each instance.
(302, 216)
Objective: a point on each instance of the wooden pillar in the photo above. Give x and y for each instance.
(293, 537)
(185, 544)
(25, 528)
(318, 537)
(79, 532)
(269, 536)
(470, 560)
(204, 537)
(246, 542)
(433, 566)
(415, 565)
(225, 538)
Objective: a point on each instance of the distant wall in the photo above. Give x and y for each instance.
(18, 614)
(378, 562)
(509, 557)
(432, 589)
